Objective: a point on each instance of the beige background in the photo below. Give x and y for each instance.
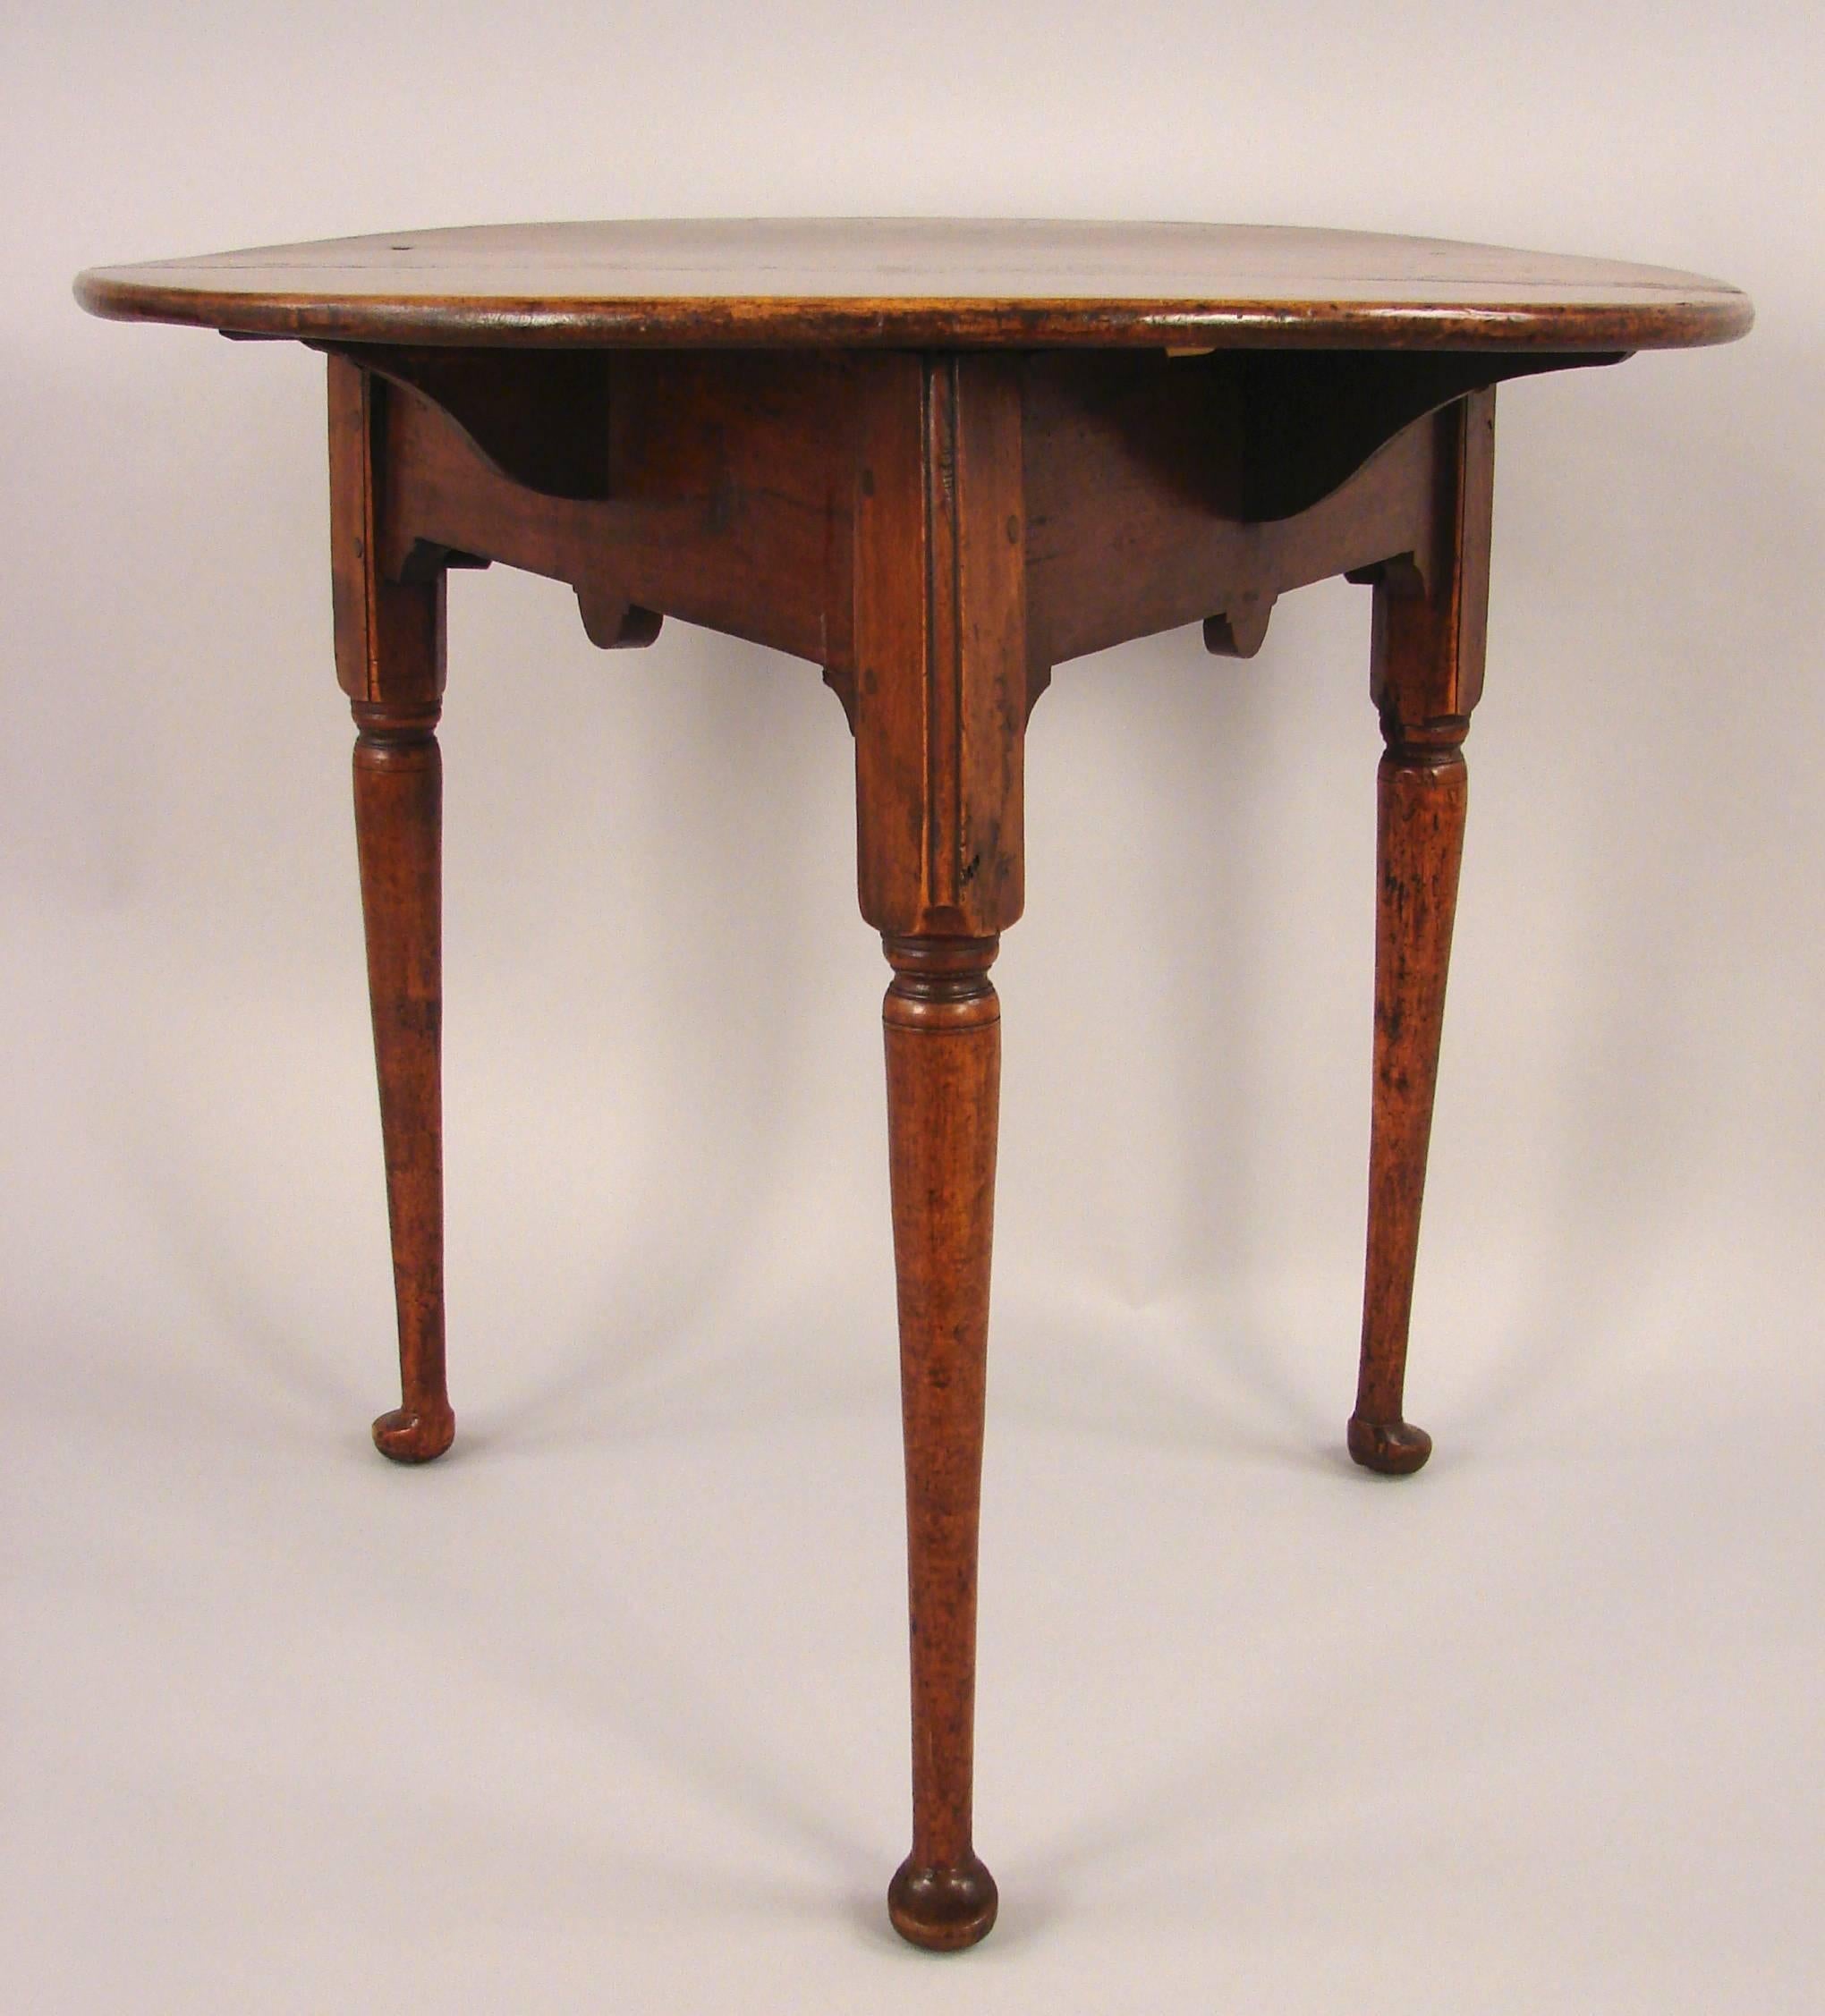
(607, 1711)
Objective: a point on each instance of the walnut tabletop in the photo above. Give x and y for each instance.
(898, 280)
(937, 461)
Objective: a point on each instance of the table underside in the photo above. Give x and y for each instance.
(801, 500)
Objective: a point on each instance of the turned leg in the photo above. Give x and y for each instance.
(398, 831)
(389, 652)
(1426, 676)
(939, 687)
(944, 1070)
(1422, 789)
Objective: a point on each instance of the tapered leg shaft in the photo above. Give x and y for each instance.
(944, 1070)
(398, 831)
(1422, 790)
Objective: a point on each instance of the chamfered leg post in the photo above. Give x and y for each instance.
(1430, 623)
(941, 696)
(389, 639)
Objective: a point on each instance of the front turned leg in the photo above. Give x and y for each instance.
(944, 1071)
(398, 832)
(939, 693)
(1422, 790)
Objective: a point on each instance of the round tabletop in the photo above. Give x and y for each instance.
(774, 282)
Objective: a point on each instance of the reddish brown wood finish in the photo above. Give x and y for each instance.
(908, 283)
(389, 638)
(1426, 675)
(940, 646)
(938, 531)
(733, 494)
(940, 704)
(1138, 475)
(398, 825)
(935, 461)
(1419, 844)
(943, 1026)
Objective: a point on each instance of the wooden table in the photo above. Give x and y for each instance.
(935, 459)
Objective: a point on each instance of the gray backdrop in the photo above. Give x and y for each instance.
(608, 1710)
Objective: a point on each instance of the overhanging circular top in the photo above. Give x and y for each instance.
(779, 283)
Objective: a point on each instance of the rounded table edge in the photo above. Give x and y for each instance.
(766, 322)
